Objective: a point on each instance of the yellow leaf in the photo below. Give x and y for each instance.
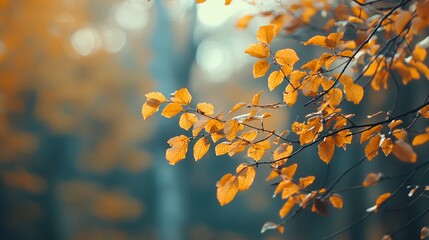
(286, 56)
(187, 120)
(346, 53)
(289, 189)
(177, 150)
(249, 136)
(371, 179)
(244, 21)
(401, 20)
(424, 111)
(367, 134)
(354, 93)
(387, 146)
(334, 97)
(394, 123)
(265, 33)
(310, 85)
(157, 96)
(342, 138)
(222, 148)
(304, 182)
(333, 39)
(404, 152)
(290, 95)
(181, 96)
(316, 40)
(400, 134)
(153, 101)
(420, 139)
(255, 99)
(200, 1)
(257, 150)
(275, 79)
(227, 2)
(326, 149)
(287, 207)
(171, 110)
(199, 125)
(288, 172)
(419, 53)
(273, 174)
(336, 201)
(282, 151)
(258, 50)
(245, 175)
(371, 150)
(260, 68)
(237, 106)
(226, 189)
(200, 148)
(230, 129)
(205, 108)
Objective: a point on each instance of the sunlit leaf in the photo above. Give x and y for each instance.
(404, 152)
(200, 148)
(354, 93)
(257, 150)
(371, 149)
(244, 21)
(380, 200)
(420, 139)
(367, 134)
(266, 33)
(181, 96)
(187, 120)
(275, 79)
(205, 108)
(287, 207)
(371, 179)
(290, 95)
(222, 148)
(177, 150)
(289, 171)
(255, 99)
(258, 50)
(286, 56)
(326, 149)
(394, 123)
(245, 175)
(227, 188)
(304, 182)
(282, 151)
(260, 68)
(387, 146)
(171, 110)
(316, 40)
(336, 200)
(230, 129)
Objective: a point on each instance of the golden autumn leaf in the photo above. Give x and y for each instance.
(205, 108)
(420, 139)
(371, 179)
(404, 152)
(181, 96)
(290, 95)
(255, 99)
(380, 200)
(282, 151)
(304, 182)
(199, 125)
(316, 40)
(354, 93)
(343, 138)
(334, 39)
(222, 148)
(287, 207)
(424, 111)
(187, 120)
(177, 150)
(260, 68)
(336, 200)
(258, 50)
(387, 146)
(371, 149)
(227, 188)
(257, 150)
(237, 107)
(153, 101)
(245, 176)
(286, 57)
(200, 148)
(171, 110)
(367, 134)
(275, 79)
(243, 22)
(326, 149)
(230, 129)
(265, 33)
(289, 171)
(334, 97)
(289, 189)
(394, 123)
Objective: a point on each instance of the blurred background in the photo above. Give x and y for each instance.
(77, 161)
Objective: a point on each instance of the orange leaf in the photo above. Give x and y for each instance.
(255, 99)
(424, 233)
(237, 106)
(288, 172)
(200, 1)
(316, 40)
(275, 79)
(257, 150)
(400, 134)
(394, 123)
(304, 182)
(282, 151)
(177, 150)
(171, 110)
(205, 108)
(265, 33)
(371, 179)
(333, 39)
(419, 53)
(424, 111)
(258, 50)
(287, 207)
(260, 68)
(371, 150)
(187, 120)
(289, 189)
(342, 138)
(199, 125)
(336, 201)
(387, 146)
(334, 97)
(181, 96)
(230, 129)
(249, 136)
(222, 148)
(326, 149)
(404, 152)
(381, 199)
(354, 93)
(290, 95)
(420, 139)
(227, 2)
(367, 134)
(245, 175)
(153, 101)
(200, 148)
(286, 57)
(244, 21)
(226, 189)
